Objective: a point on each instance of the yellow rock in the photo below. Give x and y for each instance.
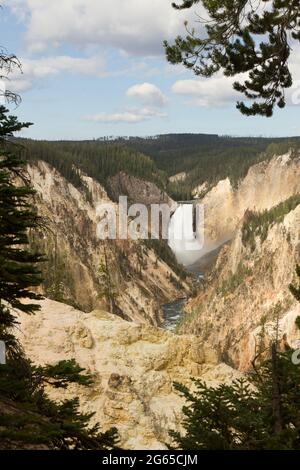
(134, 368)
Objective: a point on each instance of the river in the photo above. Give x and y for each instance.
(173, 311)
(193, 260)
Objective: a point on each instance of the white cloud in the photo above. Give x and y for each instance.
(151, 98)
(293, 94)
(133, 26)
(148, 94)
(131, 116)
(55, 65)
(152, 112)
(216, 91)
(35, 70)
(116, 117)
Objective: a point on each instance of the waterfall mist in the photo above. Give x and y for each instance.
(187, 247)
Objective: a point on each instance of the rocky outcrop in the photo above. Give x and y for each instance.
(137, 190)
(133, 366)
(140, 280)
(248, 291)
(178, 177)
(200, 190)
(267, 184)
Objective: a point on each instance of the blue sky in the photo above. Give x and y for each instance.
(93, 68)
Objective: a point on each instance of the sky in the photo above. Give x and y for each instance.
(94, 68)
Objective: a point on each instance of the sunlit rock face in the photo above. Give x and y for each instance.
(248, 286)
(247, 291)
(266, 184)
(224, 206)
(133, 365)
(142, 280)
(137, 190)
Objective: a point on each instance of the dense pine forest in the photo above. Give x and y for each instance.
(203, 158)
(207, 158)
(97, 159)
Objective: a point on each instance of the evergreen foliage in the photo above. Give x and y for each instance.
(257, 224)
(204, 158)
(98, 159)
(261, 412)
(164, 252)
(39, 420)
(295, 290)
(235, 280)
(18, 271)
(243, 37)
(36, 419)
(207, 158)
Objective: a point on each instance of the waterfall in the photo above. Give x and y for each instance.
(185, 244)
(187, 247)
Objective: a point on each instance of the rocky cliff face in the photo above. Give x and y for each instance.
(137, 190)
(248, 289)
(266, 185)
(133, 366)
(179, 177)
(141, 281)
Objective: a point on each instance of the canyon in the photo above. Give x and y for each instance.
(266, 185)
(248, 288)
(242, 303)
(247, 291)
(143, 281)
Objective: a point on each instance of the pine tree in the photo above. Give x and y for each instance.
(240, 37)
(37, 419)
(260, 412)
(18, 265)
(22, 385)
(296, 290)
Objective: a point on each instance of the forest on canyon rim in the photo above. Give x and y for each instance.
(107, 375)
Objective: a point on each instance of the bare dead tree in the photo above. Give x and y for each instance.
(8, 64)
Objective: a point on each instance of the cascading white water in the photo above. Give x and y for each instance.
(182, 240)
(187, 247)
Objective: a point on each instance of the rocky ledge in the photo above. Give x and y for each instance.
(134, 367)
